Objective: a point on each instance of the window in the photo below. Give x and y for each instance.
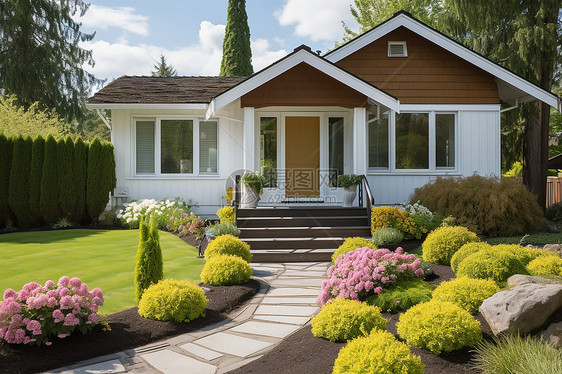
(397, 49)
(176, 146)
(378, 140)
(268, 150)
(445, 140)
(335, 154)
(412, 141)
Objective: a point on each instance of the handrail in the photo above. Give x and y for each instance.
(236, 195)
(365, 189)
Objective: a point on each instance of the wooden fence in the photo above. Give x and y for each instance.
(553, 190)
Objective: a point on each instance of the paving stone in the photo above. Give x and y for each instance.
(288, 300)
(304, 274)
(229, 366)
(296, 282)
(202, 352)
(282, 310)
(294, 320)
(264, 273)
(293, 292)
(233, 344)
(106, 367)
(274, 330)
(169, 362)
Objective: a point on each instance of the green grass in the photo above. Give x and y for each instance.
(536, 238)
(101, 258)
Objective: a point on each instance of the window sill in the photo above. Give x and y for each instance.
(175, 177)
(452, 173)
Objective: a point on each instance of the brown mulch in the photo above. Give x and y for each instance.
(128, 330)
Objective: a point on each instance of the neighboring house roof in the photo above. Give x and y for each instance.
(163, 90)
(512, 88)
(555, 162)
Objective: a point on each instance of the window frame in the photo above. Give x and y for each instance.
(158, 148)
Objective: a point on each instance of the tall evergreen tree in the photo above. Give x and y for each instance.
(49, 200)
(162, 69)
(18, 193)
(41, 58)
(236, 51)
(97, 195)
(66, 156)
(6, 150)
(37, 158)
(109, 175)
(79, 175)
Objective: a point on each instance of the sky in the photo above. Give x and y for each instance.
(132, 34)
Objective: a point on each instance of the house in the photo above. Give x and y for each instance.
(402, 104)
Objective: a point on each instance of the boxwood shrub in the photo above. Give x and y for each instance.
(467, 293)
(402, 295)
(351, 244)
(378, 353)
(341, 320)
(491, 264)
(442, 243)
(524, 254)
(439, 326)
(226, 270)
(173, 300)
(465, 251)
(228, 245)
(546, 265)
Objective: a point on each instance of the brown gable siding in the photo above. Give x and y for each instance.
(303, 85)
(429, 75)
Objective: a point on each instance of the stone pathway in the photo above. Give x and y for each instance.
(285, 303)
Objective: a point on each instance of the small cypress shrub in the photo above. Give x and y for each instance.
(79, 175)
(49, 200)
(149, 267)
(96, 194)
(226, 270)
(441, 244)
(6, 150)
(546, 265)
(465, 251)
(467, 293)
(66, 155)
(491, 264)
(37, 158)
(18, 192)
(228, 245)
(108, 170)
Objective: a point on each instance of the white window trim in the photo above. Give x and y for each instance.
(158, 148)
(402, 43)
(433, 169)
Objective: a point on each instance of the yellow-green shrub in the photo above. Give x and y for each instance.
(226, 270)
(491, 264)
(351, 244)
(173, 300)
(378, 353)
(442, 243)
(228, 245)
(226, 214)
(525, 255)
(546, 265)
(439, 326)
(341, 320)
(467, 293)
(465, 251)
(388, 216)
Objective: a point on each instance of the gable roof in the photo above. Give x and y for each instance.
(302, 54)
(512, 88)
(163, 90)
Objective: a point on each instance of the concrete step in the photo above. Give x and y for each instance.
(294, 243)
(306, 232)
(319, 221)
(313, 211)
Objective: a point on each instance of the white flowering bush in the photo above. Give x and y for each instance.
(425, 220)
(161, 211)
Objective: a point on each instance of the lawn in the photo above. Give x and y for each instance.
(100, 258)
(536, 238)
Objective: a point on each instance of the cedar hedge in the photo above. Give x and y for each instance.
(37, 158)
(18, 191)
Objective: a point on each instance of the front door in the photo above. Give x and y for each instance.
(302, 156)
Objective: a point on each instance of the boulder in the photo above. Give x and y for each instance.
(553, 334)
(519, 279)
(554, 248)
(521, 309)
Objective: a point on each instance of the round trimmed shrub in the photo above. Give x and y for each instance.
(226, 214)
(387, 236)
(465, 251)
(525, 255)
(402, 296)
(173, 300)
(378, 353)
(351, 244)
(491, 264)
(442, 243)
(341, 320)
(228, 245)
(546, 265)
(226, 270)
(439, 326)
(465, 292)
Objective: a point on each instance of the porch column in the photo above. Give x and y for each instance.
(359, 141)
(249, 139)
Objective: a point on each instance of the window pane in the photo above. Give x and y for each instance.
(145, 147)
(208, 147)
(336, 149)
(268, 150)
(445, 140)
(177, 146)
(412, 141)
(378, 141)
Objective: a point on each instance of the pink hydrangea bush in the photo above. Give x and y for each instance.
(37, 314)
(365, 271)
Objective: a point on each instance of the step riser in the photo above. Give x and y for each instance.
(294, 244)
(301, 212)
(300, 233)
(302, 222)
(292, 257)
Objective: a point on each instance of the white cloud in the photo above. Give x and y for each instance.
(125, 18)
(317, 19)
(201, 58)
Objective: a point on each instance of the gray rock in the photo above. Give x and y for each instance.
(554, 248)
(521, 309)
(519, 279)
(553, 334)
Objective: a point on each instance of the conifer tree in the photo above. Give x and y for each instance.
(236, 50)
(79, 175)
(37, 158)
(149, 266)
(49, 200)
(18, 193)
(96, 187)
(6, 150)
(109, 175)
(163, 69)
(66, 155)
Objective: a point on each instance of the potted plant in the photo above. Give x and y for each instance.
(252, 188)
(349, 182)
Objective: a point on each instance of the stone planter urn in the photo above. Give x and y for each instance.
(250, 197)
(349, 194)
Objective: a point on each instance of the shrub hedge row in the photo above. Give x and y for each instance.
(44, 180)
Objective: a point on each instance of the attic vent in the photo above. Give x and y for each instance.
(397, 49)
